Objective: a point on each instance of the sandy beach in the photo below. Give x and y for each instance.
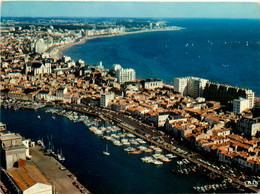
(84, 39)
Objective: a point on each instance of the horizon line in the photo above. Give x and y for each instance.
(124, 17)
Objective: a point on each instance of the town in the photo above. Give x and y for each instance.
(218, 121)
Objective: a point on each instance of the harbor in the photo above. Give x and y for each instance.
(151, 149)
(188, 156)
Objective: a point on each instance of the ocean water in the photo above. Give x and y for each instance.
(221, 50)
(118, 173)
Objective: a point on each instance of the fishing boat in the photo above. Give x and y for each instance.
(106, 153)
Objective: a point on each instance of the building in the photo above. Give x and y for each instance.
(191, 86)
(28, 180)
(116, 67)
(60, 92)
(37, 68)
(225, 94)
(250, 127)
(40, 46)
(196, 86)
(250, 95)
(180, 85)
(152, 84)
(106, 98)
(161, 119)
(12, 149)
(239, 105)
(125, 75)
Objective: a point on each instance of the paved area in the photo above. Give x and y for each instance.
(50, 168)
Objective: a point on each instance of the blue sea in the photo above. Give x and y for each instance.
(221, 50)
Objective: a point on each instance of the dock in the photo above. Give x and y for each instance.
(62, 180)
(131, 129)
(118, 119)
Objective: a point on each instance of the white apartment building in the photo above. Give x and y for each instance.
(191, 86)
(153, 83)
(106, 98)
(239, 105)
(180, 85)
(125, 75)
(250, 95)
(161, 119)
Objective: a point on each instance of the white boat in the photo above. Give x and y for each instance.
(165, 159)
(60, 156)
(126, 143)
(157, 162)
(38, 117)
(53, 117)
(129, 149)
(171, 156)
(117, 143)
(145, 159)
(106, 153)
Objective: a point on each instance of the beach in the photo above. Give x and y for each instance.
(86, 38)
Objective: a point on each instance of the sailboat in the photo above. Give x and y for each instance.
(106, 153)
(60, 156)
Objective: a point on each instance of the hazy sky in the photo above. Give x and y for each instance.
(130, 9)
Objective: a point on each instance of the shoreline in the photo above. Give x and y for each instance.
(86, 38)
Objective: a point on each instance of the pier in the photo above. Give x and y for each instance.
(63, 180)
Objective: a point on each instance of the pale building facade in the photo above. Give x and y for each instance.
(153, 84)
(239, 105)
(106, 98)
(125, 75)
(12, 149)
(191, 86)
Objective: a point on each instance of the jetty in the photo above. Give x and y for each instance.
(62, 179)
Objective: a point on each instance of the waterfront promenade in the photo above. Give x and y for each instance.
(132, 126)
(63, 180)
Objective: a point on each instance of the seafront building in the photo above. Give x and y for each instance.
(152, 84)
(125, 75)
(225, 94)
(240, 105)
(191, 86)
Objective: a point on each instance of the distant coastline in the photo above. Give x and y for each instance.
(86, 38)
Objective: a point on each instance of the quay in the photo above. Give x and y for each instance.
(133, 126)
(114, 118)
(63, 180)
(169, 149)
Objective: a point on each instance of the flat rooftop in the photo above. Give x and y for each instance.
(9, 136)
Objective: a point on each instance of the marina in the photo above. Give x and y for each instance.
(116, 165)
(133, 143)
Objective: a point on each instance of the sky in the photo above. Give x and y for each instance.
(130, 9)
